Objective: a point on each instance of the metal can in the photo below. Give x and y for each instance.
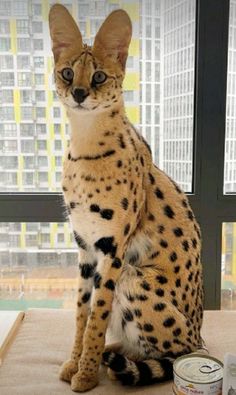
(197, 374)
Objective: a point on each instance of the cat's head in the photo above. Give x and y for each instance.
(89, 78)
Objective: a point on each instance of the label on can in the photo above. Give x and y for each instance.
(197, 374)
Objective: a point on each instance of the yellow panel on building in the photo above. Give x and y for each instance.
(45, 9)
(131, 9)
(131, 81)
(22, 235)
(133, 113)
(16, 96)
(88, 29)
(234, 251)
(13, 36)
(134, 47)
(54, 227)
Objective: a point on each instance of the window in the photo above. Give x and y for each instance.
(38, 62)
(23, 62)
(22, 26)
(4, 27)
(23, 44)
(7, 79)
(37, 27)
(6, 62)
(26, 96)
(40, 95)
(5, 44)
(7, 96)
(159, 91)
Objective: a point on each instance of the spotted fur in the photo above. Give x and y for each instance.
(139, 243)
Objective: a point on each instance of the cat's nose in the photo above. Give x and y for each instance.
(79, 94)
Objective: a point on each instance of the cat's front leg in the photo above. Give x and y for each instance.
(107, 273)
(87, 265)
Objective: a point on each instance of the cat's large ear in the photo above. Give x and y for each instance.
(64, 32)
(113, 37)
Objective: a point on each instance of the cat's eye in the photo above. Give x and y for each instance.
(99, 77)
(67, 74)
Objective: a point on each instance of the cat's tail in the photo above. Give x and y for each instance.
(146, 372)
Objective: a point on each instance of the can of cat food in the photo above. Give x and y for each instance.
(197, 374)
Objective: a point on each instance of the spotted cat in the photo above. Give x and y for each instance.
(139, 243)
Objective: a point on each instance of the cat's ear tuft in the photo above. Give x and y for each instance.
(65, 34)
(113, 37)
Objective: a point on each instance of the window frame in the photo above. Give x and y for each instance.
(209, 204)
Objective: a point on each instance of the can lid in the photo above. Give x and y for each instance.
(198, 368)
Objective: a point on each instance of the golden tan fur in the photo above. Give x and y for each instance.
(139, 243)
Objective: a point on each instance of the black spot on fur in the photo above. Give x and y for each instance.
(154, 254)
(178, 283)
(137, 313)
(190, 215)
(169, 212)
(160, 292)
(173, 256)
(116, 362)
(159, 194)
(116, 263)
(178, 232)
(124, 203)
(107, 213)
(86, 270)
(135, 206)
(145, 285)
(163, 244)
(177, 332)
(169, 322)
(141, 297)
(176, 269)
(110, 285)
(80, 242)
(97, 280)
(166, 345)
(105, 244)
(159, 306)
(126, 229)
(86, 297)
(188, 264)
(105, 315)
(161, 279)
(121, 141)
(151, 178)
(101, 302)
(72, 205)
(94, 208)
(152, 339)
(119, 163)
(148, 327)
(128, 315)
(185, 245)
(161, 229)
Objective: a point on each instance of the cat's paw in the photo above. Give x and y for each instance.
(68, 369)
(81, 382)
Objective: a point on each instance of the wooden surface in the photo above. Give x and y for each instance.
(9, 323)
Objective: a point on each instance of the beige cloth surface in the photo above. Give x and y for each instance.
(44, 341)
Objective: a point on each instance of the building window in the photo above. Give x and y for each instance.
(24, 79)
(4, 27)
(23, 62)
(6, 62)
(23, 44)
(5, 44)
(37, 27)
(22, 26)
(39, 62)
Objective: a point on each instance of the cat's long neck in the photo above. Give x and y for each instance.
(89, 130)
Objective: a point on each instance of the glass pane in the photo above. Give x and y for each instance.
(38, 266)
(230, 138)
(228, 280)
(161, 57)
